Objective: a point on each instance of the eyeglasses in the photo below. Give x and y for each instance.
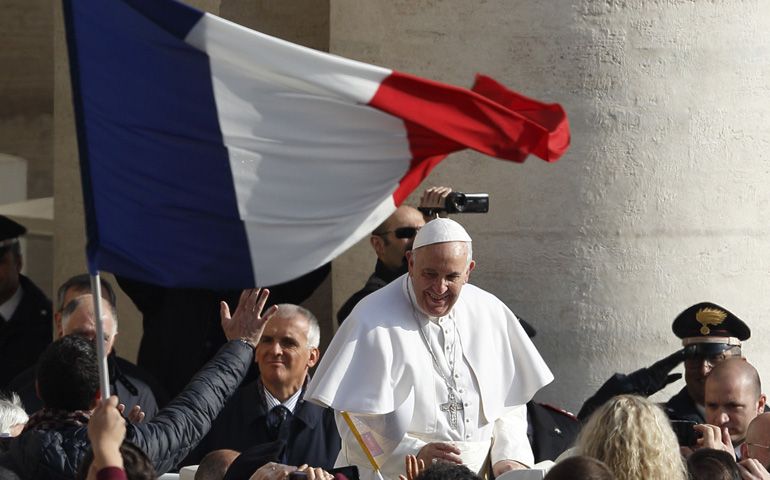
(758, 445)
(711, 360)
(401, 232)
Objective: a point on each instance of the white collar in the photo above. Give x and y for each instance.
(290, 403)
(9, 307)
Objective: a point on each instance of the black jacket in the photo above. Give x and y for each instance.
(25, 335)
(311, 434)
(131, 384)
(553, 430)
(167, 438)
(682, 407)
(382, 276)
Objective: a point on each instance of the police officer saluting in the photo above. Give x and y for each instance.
(710, 334)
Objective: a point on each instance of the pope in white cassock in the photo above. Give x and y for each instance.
(456, 350)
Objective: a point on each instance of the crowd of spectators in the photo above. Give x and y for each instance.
(251, 411)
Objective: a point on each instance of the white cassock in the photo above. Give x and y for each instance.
(379, 356)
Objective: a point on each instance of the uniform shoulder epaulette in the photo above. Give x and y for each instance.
(564, 412)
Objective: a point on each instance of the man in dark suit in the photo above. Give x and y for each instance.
(74, 316)
(551, 430)
(272, 407)
(25, 312)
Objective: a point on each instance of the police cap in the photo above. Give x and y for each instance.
(10, 232)
(708, 329)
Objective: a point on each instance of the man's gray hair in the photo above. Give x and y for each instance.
(468, 246)
(76, 302)
(288, 310)
(82, 283)
(11, 413)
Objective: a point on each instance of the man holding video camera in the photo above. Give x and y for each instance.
(390, 241)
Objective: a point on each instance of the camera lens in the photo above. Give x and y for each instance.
(458, 201)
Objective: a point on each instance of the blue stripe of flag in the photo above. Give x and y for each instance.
(157, 180)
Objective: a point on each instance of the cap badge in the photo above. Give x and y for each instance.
(709, 316)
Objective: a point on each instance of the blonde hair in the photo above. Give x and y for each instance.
(633, 437)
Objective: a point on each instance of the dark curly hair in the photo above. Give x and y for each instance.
(68, 374)
(447, 471)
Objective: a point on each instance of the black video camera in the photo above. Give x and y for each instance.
(458, 202)
(686, 435)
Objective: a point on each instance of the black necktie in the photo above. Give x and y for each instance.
(275, 418)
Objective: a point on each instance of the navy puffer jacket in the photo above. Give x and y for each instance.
(167, 438)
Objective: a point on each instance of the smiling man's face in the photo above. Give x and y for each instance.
(438, 273)
(283, 355)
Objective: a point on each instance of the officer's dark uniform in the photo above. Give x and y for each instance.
(24, 335)
(551, 430)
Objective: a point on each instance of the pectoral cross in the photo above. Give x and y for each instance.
(453, 405)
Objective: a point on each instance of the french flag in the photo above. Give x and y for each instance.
(216, 156)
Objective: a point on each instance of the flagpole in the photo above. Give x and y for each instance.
(104, 377)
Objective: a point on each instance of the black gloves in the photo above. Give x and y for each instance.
(655, 377)
(645, 381)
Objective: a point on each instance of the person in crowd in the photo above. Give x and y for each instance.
(551, 430)
(215, 464)
(446, 471)
(25, 311)
(75, 316)
(757, 444)
(710, 464)
(415, 469)
(55, 440)
(190, 316)
(390, 241)
(12, 418)
(733, 399)
(710, 334)
(579, 467)
(751, 469)
(633, 437)
(448, 359)
(111, 457)
(273, 407)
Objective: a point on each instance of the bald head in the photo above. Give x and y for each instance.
(757, 443)
(734, 397)
(735, 370)
(403, 214)
(215, 464)
(390, 239)
(759, 430)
